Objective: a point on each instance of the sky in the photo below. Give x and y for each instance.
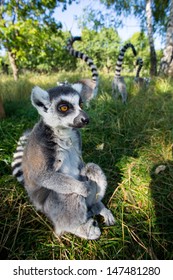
(67, 18)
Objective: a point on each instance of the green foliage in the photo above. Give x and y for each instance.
(48, 52)
(102, 46)
(116, 9)
(28, 30)
(129, 142)
(160, 14)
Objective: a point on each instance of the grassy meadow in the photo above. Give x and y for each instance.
(133, 145)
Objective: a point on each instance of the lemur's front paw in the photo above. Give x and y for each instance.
(94, 173)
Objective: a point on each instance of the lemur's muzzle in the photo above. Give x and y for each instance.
(81, 120)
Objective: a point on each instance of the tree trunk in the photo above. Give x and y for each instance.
(166, 64)
(14, 67)
(153, 56)
(2, 111)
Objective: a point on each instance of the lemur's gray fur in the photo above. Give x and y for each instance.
(142, 82)
(89, 86)
(48, 161)
(118, 85)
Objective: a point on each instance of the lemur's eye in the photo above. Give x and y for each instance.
(63, 108)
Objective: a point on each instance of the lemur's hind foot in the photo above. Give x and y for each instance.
(88, 230)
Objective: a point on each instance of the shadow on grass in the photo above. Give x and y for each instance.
(23, 232)
(161, 187)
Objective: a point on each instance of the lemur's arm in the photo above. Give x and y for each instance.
(62, 183)
(37, 173)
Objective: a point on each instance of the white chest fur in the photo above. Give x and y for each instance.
(71, 163)
(68, 157)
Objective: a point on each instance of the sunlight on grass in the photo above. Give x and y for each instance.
(129, 142)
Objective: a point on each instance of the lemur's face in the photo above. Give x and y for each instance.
(60, 107)
(66, 111)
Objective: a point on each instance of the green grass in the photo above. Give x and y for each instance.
(129, 142)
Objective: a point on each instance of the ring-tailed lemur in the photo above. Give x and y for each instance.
(48, 161)
(89, 85)
(140, 81)
(118, 85)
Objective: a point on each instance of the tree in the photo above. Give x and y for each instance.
(166, 65)
(2, 111)
(23, 26)
(153, 56)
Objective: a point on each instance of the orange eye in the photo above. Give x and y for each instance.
(64, 108)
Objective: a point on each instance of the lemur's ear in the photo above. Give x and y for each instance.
(86, 88)
(40, 99)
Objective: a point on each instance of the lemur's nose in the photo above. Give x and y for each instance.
(81, 120)
(85, 120)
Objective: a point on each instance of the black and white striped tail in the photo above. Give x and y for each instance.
(17, 158)
(139, 63)
(121, 57)
(82, 56)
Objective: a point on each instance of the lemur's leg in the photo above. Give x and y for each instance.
(98, 187)
(122, 89)
(69, 214)
(115, 92)
(87, 230)
(115, 89)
